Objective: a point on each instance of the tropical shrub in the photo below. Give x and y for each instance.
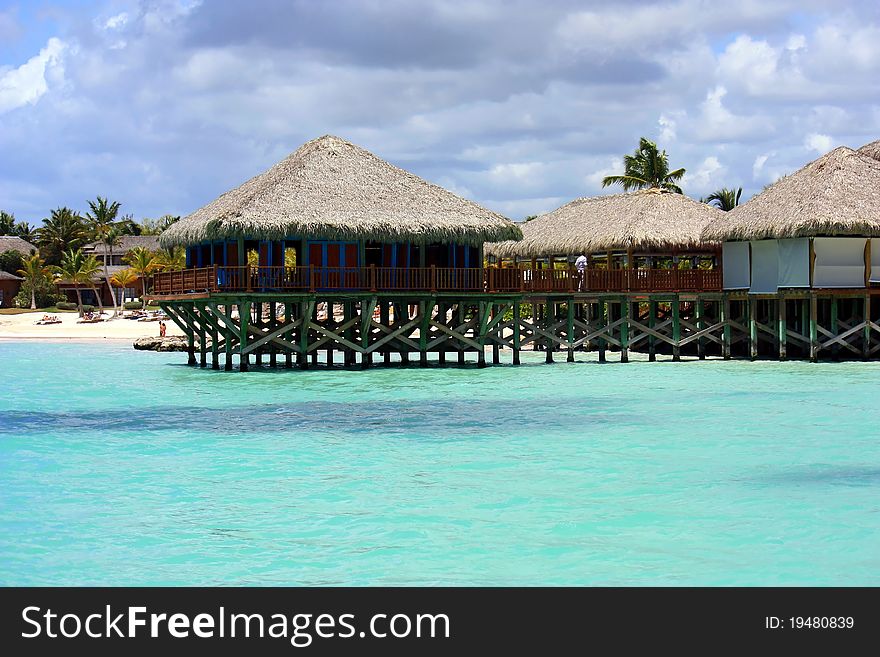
(132, 305)
(65, 305)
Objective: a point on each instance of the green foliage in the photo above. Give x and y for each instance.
(45, 295)
(11, 261)
(64, 230)
(132, 305)
(724, 198)
(647, 167)
(88, 308)
(65, 305)
(156, 226)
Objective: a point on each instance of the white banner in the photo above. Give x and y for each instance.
(735, 265)
(765, 267)
(840, 262)
(794, 262)
(875, 260)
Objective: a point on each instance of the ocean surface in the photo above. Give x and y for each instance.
(120, 467)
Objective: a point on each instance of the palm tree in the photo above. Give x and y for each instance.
(143, 262)
(171, 259)
(34, 272)
(102, 220)
(25, 231)
(724, 199)
(7, 223)
(123, 279)
(73, 270)
(64, 230)
(646, 168)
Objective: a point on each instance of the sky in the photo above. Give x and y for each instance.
(519, 105)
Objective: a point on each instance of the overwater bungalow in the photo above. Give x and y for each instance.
(805, 254)
(334, 248)
(648, 240)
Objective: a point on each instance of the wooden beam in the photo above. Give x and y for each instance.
(783, 327)
(244, 317)
(814, 331)
(516, 331)
(753, 327)
(624, 329)
(676, 328)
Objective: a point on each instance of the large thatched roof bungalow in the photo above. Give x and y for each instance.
(871, 150)
(338, 206)
(815, 228)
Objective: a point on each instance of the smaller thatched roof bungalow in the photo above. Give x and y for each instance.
(810, 229)
(871, 150)
(338, 205)
(646, 222)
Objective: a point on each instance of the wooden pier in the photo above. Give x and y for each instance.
(365, 317)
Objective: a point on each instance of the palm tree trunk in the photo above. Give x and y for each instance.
(79, 301)
(107, 273)
(33, 295)
(144, 290)
(98, 299)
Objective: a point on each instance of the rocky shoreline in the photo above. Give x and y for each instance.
(168, 343)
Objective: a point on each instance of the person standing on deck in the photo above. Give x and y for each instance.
(581, 266)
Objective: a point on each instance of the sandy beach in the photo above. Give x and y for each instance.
(23, 327)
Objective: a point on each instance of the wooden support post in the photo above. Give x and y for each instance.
(600, 320)
(676, 328)
(273, 323)
(699, 309)
(753, 328)
(480, 333)
(215, 349)
(835, 348)
(441, 318)
(425, 316)
(288, 317)
(814, 330)
(306, 308)
(190, 337)
(244, 317)
(725, 330)
(569, 330)
(227, 341)
(516, 331)
(866, 337)
(461, 318)
(258, 322)
(496, 349)
(652, 323)
(549, 321)
(624, 329)
(783, 328)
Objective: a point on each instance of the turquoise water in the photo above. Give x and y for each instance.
(120, 467)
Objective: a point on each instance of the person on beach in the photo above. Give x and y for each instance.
(581, 266)
(161, 329)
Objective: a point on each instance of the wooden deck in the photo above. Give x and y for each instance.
(219, 279)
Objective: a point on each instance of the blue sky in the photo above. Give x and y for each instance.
(521, 106)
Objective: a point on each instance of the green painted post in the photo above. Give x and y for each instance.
(227, 338)
(288, 335)
(516, 332)
(570, 330)
(624, 329)
(652, 324)
(701, 346)
(814, 330)
(835, 348)
(725, 330)
(866, 337)
(496, 353)
(257, 314)
(306, 308)
(273, 324)
(783, 328)
(462, 312)
(441, 317)
(602, 323)
(244, 316)
(753, 328)
(676, 328)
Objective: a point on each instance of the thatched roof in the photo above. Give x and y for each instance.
(648, 219)
(6, 276)
(871, 150)
(837, 194)
(12, 243)
(331, 189)
(126, 244)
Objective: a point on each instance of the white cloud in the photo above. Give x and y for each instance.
(116, 22)
(27, 83)
(667, 128)
(706, 177)
(718, 124)
(758, 165)
(819, 143)
(613, 168)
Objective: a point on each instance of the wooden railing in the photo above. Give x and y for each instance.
(432, 279)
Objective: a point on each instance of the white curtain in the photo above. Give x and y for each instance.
(875, 260)
(735, 263)
(765, 267)
(794, 262)
(840, 262)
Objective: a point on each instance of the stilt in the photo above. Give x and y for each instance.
(753, 328)
(258, 322)
(835, 348)
(725, 330)
(866, 337)
(288, 317)
(273, 324)
(461, 319)
(652, 323)
(601, 322)
(227, 342)
(385, 320)
(244, 317)
(496, 348)
(624, 330)
(699, 310)
(482, 322)
(306, 308)
(549, 321)
(425, 314)
(783, 329)
(516, 331)
(814, 330)
(569, 331)
(676, 328)
(215, 348)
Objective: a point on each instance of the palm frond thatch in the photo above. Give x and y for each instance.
(649, 219)
(836, 194)
(331, 189)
